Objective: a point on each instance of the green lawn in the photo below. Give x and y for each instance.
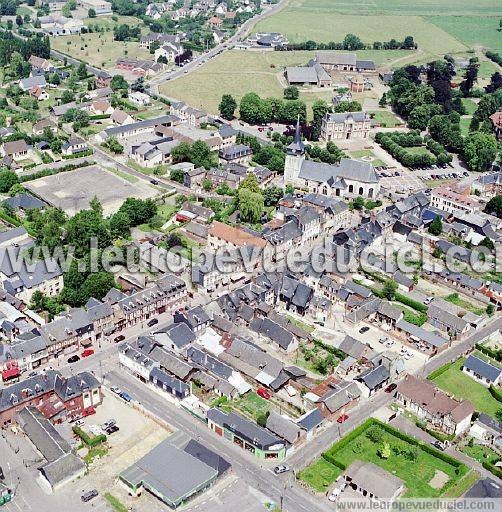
(416, 473)
(320, 475)
(418, 150)
(385, 118)
(487, 67)
(465, 122)
(454, 298)
(463, 485)
(481, 453)
(460, 385)
(469, 105)
(251, 405)
(367, 155)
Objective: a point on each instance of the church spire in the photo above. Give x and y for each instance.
(297, 147)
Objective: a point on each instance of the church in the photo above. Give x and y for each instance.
(347, 179)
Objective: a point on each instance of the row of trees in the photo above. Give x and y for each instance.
(353, 43)
(256, 110)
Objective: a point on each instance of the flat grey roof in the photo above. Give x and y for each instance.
(170, 472)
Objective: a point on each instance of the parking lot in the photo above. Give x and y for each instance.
(401, 181)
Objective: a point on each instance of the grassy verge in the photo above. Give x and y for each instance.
(463, 485)
(115, 503)
(454, 298)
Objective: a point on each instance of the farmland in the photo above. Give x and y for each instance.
(438, 27)
(237, 73)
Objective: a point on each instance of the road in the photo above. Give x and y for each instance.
(241, 33)
(253, 471)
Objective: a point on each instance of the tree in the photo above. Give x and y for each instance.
(480, 150)
(254, 110)
(139, 211)
(486, 242)
(250, 183)
(291, 93)
(352, 42)
(498, 414)
(113, 145)
(181, 153)
(19, 20)
(67, 97)
(7, 180)
(97, 285)
(375, 434)
(384, 451)
(471, 75)
(493, 206)
(389, 289)
(251, 205)
(91, 13)
(436, 226)
(177, 175)
(348, 106)
(119, 225)
(490, 309)
(118, 83)
(227, 107)
(319, 110)
(272, 195)
(207, 185)
(37, 301)
(201, 155)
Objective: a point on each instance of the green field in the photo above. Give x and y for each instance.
(471, 30)
(438, 26)
(460, 385)
(99, 49)
(469, 105)
(417, 471)
(239, 72)
(465, 122)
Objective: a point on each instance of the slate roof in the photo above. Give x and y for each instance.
(273, 331)
(244, 428)
(482, 368)
(208, 457)
(374, 479)
(311, 420)
(356, 170)
(375, 377)
(342, 117)
(486, 488)
(24, 202)
(283, 427)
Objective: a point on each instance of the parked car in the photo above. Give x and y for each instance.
(73, 359)
(87, 352)
(112, 430)
(32, 374)
(79, 423)
(282, 468)
(152, 322)
(125, 396)
(439, 445)
(89, 495)
(390, 388)
(108, 423)
(364, 329)
(383, 339)
(119, 338)
(333, 495)
(264, 393)
(154, 182)
(342, 418)
(116, 390)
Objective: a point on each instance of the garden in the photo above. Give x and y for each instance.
(451, 379)
(412, 150)
(426, 471)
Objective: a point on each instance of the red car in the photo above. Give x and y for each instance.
(263, 393)
(87, 352)
(342, 418)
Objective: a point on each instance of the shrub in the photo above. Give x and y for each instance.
(90, 441)
(418, 306)
(494, 354)
(493, 469)
(495, 393)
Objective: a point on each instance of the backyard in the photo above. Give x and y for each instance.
(385, 118)
(425, 473)
(480, 453)
(454, 298)
(454, 381)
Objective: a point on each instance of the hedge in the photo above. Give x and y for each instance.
(492, 469)
(87, 439)
(495, 393)
(494, 354)
(418, 306)
(50, 172)
(439, 371)
(351, 436)
(329, 458)
(87, 152)
(99, 116)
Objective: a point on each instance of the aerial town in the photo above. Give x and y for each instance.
(249, 255)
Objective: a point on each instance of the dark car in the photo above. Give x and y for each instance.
(364, 329)
(89, 495)
(152, 322)
(73, 359)
(125, 396)
(118, 338)
(390, 388)
(111, 430)
(154, 182)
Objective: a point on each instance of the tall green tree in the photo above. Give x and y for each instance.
(227, 107)
(480, 150)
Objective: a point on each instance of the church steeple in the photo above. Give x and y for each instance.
(297, 147)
